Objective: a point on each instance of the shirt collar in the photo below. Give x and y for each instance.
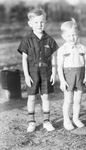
(73, 46)
(44, 36)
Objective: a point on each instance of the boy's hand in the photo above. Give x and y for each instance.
(53, 79)
(84, 81)
(28, 81)
(63, 86)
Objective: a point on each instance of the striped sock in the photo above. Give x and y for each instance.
(31, 116)
(46, 116)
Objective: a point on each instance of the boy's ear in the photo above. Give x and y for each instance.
(29, 23)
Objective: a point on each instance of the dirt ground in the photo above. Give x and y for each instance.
(14, 117)
(14, 123)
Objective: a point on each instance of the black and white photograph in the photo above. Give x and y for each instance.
(43, 75)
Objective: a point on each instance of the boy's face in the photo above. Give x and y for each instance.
(71, 37)
(37, 24)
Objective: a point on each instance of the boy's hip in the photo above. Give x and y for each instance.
(40, 70)
(41, 84)
(36, 65)
(73, 70)
(74, 77)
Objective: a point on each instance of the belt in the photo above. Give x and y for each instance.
(74, 68)
(41, 64)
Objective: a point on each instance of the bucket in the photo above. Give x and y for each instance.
(11, 83)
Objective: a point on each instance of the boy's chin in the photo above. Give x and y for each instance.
(40, 32)
(72, 43)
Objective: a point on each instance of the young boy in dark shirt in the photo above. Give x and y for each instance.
(39, 66)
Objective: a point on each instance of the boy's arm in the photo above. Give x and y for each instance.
(60, 66)
(85, 69)
(54, 63)
(24, 64)
(53, 76)
(63, 83)
(28, 79)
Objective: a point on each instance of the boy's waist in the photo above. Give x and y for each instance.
(74, 68)
(39, 64)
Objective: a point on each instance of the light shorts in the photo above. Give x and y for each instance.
(41, 81)
(74, 77)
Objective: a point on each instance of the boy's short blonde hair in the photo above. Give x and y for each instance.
(36, 12)
(68, 25)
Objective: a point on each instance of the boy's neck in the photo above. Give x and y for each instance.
(39, 35)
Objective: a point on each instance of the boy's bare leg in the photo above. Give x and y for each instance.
(31, 113)
(46, 107)
(31, 103)
(45, 103)
(46, 110)
(68, 96)
(76, 108)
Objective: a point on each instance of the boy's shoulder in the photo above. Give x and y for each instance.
(82, 46)
(47, 36)
(62, 47)
(27, 36)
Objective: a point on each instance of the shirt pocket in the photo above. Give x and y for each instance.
(47, 51)
(81, 54)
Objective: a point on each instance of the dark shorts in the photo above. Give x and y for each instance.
(41, 81)
(74, 78)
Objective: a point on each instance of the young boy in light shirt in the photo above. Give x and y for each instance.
(72, 72)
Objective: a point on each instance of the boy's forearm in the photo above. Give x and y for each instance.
(60, 73)
(54, 69)
(25, 70)
(25, 66)
(54, 63)
(85, 72)
(85, 65)
(60, 61)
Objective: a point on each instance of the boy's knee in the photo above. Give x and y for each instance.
(45, 97)
(77, 102)
(67, 101)
(31, 98)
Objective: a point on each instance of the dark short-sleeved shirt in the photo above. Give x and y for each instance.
(38, 50)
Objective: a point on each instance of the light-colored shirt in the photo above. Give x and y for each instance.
(71, 56)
